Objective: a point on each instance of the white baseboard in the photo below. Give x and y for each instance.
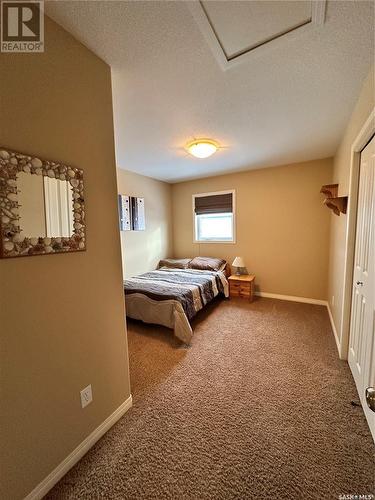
(43, 488)
(334, 330)
(291, 298)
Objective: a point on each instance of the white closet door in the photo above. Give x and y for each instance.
(362, 328)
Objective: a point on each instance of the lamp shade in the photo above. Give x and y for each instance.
(238, 262)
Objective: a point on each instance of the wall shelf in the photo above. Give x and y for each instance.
(338, 204)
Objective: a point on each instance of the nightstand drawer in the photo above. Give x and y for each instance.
(240, 287)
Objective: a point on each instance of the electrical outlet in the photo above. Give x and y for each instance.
(333, 300)
(86, 396)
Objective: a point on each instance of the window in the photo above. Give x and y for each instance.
(214, 217)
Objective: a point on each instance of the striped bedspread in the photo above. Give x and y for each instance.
(192, 288)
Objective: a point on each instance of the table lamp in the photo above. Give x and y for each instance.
(238, 263)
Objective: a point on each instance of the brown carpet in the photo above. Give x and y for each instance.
(258, 408)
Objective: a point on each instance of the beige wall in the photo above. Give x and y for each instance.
(341, 173)
(142, 250)
(282, 226)
(71, 330)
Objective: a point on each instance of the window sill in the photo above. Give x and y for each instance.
(225, 242)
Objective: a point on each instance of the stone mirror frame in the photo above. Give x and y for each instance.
(15, 242)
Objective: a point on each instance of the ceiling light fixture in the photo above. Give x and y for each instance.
(202, 148)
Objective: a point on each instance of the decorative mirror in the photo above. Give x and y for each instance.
(42, 206)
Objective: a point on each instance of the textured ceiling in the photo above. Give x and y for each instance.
(287, 104)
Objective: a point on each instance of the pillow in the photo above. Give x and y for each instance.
(207, 263)
(174, 263)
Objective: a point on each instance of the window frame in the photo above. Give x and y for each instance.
(213, 193)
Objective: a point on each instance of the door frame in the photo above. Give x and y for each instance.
(363, 137)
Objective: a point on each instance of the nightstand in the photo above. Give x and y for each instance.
(242, 286)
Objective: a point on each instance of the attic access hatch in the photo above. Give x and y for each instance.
(235, 31)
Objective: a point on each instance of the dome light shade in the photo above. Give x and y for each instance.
(202, 148)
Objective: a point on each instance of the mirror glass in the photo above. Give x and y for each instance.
(45, 206)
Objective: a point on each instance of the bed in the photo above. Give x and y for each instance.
(172, 296)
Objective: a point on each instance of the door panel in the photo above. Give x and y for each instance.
(362, 326)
